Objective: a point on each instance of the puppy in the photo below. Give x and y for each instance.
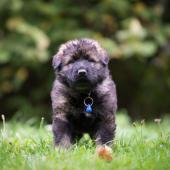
(83, 95)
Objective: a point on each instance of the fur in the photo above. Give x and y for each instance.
(69, 90)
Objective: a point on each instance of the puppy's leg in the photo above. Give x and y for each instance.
(62, 132)
(104, 137)
(105, 133)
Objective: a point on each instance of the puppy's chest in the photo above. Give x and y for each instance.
(79, 117)
(81, 120)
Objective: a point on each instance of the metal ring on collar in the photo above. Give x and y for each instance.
(85, 101)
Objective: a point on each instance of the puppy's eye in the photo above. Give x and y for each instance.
(71, 61)
(87, 57)
(91, 60)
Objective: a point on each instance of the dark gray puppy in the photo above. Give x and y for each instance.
(83, 95)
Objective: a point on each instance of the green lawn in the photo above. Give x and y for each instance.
(137, 146)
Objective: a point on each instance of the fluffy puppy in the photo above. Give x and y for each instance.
(83, 95)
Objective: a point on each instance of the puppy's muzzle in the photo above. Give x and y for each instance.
(82, 72)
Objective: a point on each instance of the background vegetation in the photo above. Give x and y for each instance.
(136, 34)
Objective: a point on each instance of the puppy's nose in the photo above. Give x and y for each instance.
(82, 72)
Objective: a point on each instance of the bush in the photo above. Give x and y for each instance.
(136, 34)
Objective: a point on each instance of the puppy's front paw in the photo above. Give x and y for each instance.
(104, 152)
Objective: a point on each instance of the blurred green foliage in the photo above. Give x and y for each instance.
(136, 34)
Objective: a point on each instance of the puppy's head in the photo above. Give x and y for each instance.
(81, 64)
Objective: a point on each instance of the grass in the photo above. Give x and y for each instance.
(138, 146)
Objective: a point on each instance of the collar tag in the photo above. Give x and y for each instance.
(88, 102)
(89, 108)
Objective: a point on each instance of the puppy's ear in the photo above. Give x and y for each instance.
(105, 59)
(56, 62)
